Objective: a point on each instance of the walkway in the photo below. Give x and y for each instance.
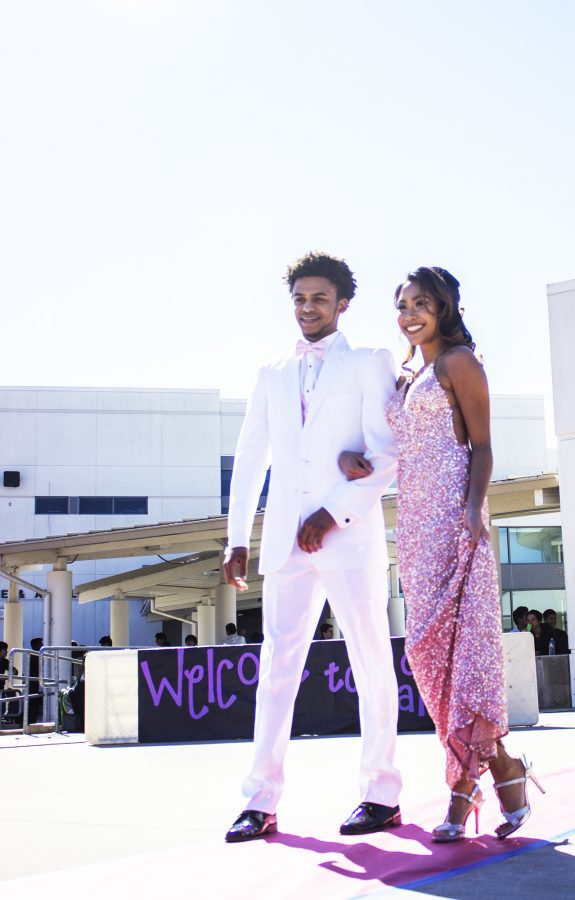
(121, 822)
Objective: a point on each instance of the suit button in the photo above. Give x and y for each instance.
(348, 521)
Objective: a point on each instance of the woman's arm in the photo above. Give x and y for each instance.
(469, 385)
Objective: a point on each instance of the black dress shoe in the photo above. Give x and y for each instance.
(371, 817)
(252, 824)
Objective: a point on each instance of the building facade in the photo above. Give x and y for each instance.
(80, 459)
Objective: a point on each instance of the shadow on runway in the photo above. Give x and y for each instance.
(409, 867)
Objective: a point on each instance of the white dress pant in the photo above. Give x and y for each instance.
(293, 599)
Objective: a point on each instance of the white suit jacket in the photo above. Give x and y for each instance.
(346, 412)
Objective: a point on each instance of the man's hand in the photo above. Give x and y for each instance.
(311, 534)
(236, 567)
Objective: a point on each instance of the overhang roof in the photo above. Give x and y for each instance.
(186, 536)
(181, 584)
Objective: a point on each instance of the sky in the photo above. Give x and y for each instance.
(161, 163)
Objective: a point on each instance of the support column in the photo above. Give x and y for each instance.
(225, 610)
(494, 535)
(206, 625)
(561, 299)
(14, 623)
(60, 587)
(395, 605)
(120, 621)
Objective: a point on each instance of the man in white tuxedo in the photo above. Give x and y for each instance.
(322, 536)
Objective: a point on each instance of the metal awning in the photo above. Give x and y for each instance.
(181, 584)
(186, 536)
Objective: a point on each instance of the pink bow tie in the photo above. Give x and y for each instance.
(319, 349)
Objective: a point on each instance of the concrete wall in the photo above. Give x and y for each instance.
(161, 444)
(561, 299)
(518, 435)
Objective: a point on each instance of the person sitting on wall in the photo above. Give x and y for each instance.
(559, 636)
(541, 632)
(232, 636)
(520, 618)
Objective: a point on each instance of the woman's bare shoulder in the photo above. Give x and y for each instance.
(460, 361)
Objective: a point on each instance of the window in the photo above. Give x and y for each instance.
(541, 600)
(504, 545)
(507, 610)
(51, 506)
(130, 506)
(91, 506)
(96, 506)
(535, 545)
(226, 467)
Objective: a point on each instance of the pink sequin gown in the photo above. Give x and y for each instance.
(453, 631)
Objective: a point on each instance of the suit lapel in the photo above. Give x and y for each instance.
(291, 385)
(332, 366)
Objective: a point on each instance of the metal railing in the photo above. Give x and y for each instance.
(21, 683)
(57, 667)
(61, 659)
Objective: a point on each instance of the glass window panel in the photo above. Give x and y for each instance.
(543, 600)
(51, 506)
(95, 506)
(535, 545)
(225, 480)
(506, 611)
(226, 467)
(130, 506)
(264, 494)
(504, 545)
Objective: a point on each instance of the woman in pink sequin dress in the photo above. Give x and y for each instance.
(440, 418)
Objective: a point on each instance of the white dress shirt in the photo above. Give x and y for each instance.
(310, 367)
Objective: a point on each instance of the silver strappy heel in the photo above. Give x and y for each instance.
(450, 831)
(514, 820)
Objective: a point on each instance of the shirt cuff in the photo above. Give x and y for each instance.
(343, 517)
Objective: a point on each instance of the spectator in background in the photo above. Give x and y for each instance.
(256, 637)
(162, 639)
(542, 633)
(8, 710)
(105, 641)
(326, 632)
(191, 640)
(3, 663)
(35, 703)
(559, 636)
(520, 618)
(232, 636)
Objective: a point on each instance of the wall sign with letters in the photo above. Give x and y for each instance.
(208, 693)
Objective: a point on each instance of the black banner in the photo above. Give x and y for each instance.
(208, 693)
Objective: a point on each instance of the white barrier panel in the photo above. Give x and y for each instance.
(520, 678)
(112, 690)
(112, 697)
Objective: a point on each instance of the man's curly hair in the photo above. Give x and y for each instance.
(324, 266)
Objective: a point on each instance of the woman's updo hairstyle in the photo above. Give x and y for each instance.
(440, 285)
